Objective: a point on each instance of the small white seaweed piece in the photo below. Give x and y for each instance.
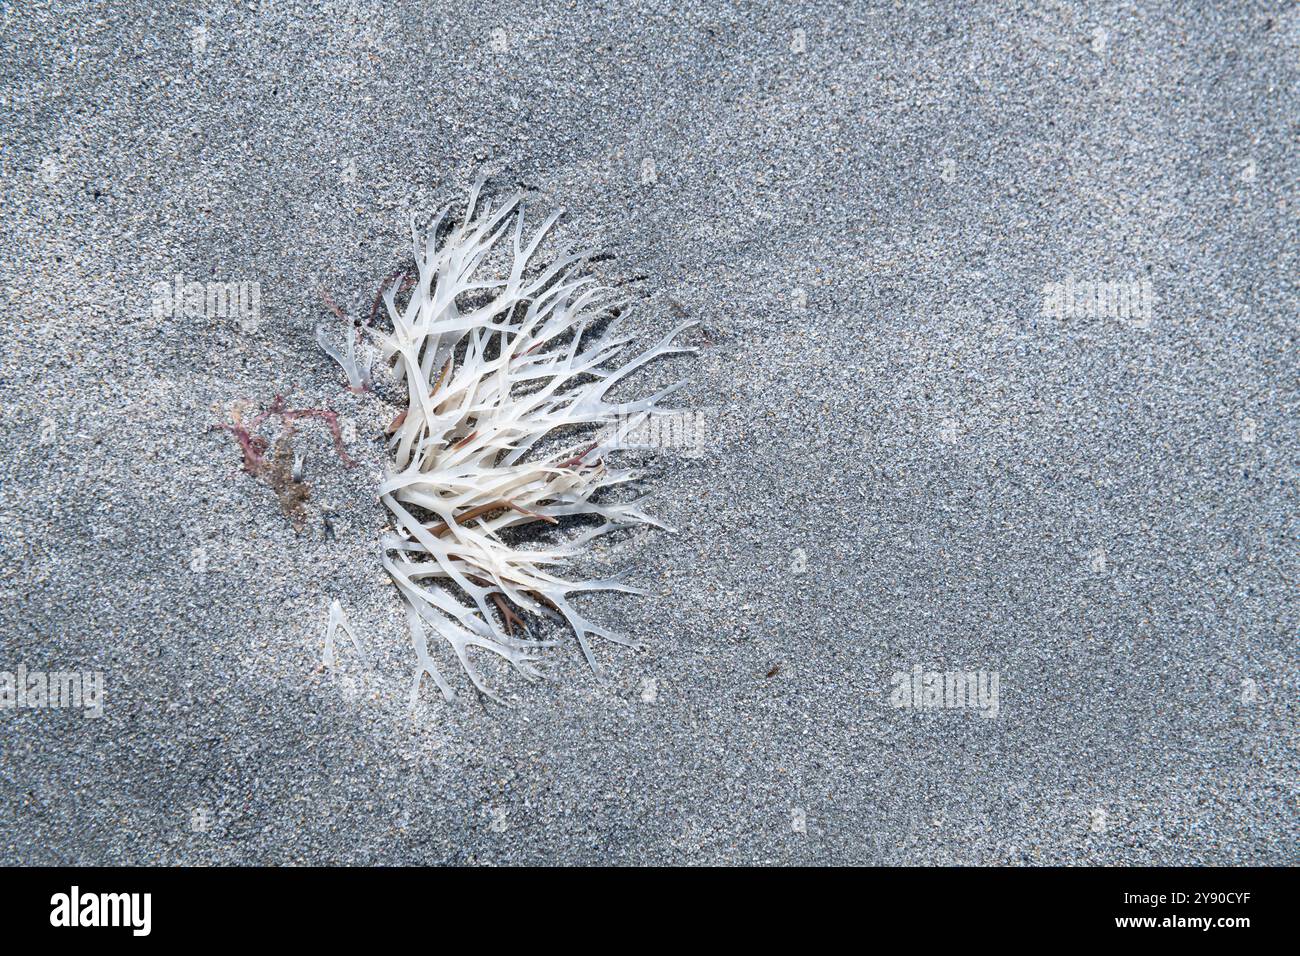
(339, 619)
(357, 369)
(495, 358)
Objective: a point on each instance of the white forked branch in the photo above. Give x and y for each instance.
(492, 365)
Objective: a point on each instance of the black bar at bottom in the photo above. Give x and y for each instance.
(302, 906)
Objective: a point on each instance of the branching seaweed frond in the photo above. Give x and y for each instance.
(355, 366)
(275, 461)
(504, 359)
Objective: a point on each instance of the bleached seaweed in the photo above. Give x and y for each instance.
(496, 358)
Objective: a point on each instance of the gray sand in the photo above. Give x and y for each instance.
(906, 462)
